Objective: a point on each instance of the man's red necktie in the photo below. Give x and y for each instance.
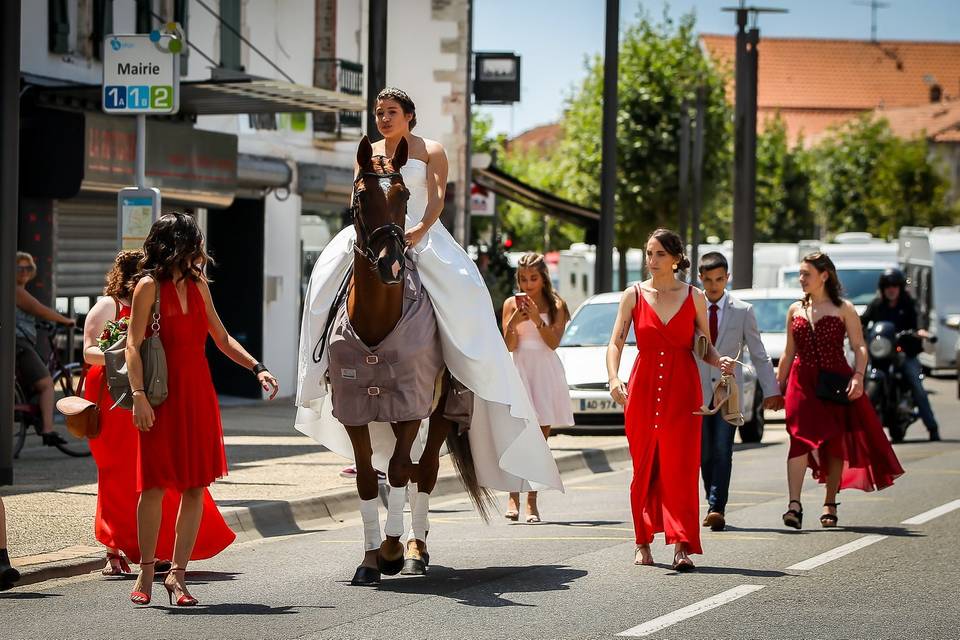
(714, 323)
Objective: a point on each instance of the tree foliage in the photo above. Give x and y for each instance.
(783, 187)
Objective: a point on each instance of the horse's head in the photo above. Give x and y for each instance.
(379, 210)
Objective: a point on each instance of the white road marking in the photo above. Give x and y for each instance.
(695, 609)
(927, 516)
(833, 554)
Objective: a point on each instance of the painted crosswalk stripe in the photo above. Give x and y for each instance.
(927, 516)
(833, 554)
(695, 609)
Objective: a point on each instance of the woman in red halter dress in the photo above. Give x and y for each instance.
(114, 451)
(663, 393)
(181, 439)
(844, 444)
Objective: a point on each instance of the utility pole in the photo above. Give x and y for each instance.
(684, 169)
(603, 280)
(9, 211)
(697, 169)
(874, 5)
(745, 143)
(461, 227)
(376, 62)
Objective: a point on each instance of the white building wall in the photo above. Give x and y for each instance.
(281, 309)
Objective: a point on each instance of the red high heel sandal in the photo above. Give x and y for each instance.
(185, 599)
(139, 597)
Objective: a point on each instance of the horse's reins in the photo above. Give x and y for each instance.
(391, 231)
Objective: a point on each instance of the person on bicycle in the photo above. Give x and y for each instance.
(33, 373)
(893, 304)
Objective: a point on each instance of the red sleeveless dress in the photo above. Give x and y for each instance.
(184, 448)
(662, 431)
(115, 452)
(852, 431)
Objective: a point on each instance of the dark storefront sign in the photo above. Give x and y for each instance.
(65, 153)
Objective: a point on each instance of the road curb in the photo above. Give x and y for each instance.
(284, 517)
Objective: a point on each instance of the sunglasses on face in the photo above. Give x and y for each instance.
(25, 268)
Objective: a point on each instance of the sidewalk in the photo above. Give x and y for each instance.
(278, 480)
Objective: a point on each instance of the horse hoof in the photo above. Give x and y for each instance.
(414, 567)
(365, 577)
(389, 567)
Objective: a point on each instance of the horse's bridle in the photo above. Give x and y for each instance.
(390, 232)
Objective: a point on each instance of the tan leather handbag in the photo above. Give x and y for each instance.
(154, 366)
(81, 415)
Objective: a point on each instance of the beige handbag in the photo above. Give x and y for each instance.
(154, 366)
(81, 415)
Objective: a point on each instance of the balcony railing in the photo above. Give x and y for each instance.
(345, 77)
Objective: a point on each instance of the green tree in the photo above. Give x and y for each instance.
(783, 187)
(867, 179)
(661, 65)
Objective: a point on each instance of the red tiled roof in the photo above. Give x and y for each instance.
(939, 121)
(814, 83)
(542, 139)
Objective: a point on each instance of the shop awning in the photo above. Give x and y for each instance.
(509, 187)
(220, 97)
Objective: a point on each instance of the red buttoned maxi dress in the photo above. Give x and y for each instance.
(662, 430)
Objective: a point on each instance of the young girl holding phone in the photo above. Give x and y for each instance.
(533, 322)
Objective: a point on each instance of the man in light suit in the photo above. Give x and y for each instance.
(732, 325)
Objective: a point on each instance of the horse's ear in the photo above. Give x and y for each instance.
(364, 153)
(400, 154)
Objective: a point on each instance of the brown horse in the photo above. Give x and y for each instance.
(374, 306)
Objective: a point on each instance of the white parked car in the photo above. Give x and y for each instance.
(770, 307)
(583, 352)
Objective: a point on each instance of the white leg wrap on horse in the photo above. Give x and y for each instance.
(420, 516)
(370, 513)
(395, 502)
(412, 501)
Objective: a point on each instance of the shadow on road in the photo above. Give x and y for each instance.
(28, 595)
(235, 609)
(484, 587)
(734, 571)
(585, 523)
(897, 532)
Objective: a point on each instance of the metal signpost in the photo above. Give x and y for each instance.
(141, 75)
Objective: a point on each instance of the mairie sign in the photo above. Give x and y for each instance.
(141, 73)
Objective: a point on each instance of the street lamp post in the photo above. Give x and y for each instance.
(603, 269)
(376, 61)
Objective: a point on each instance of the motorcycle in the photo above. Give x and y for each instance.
(888, 390)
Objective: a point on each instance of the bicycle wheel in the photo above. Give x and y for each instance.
(65, 383)
(21, 421)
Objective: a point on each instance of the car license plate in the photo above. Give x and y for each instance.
(595, 405)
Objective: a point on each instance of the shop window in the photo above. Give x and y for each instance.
(102, 25)
(144, 16)
(58, 23)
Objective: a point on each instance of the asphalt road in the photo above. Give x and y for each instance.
(572, 576)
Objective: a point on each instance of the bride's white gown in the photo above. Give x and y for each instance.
(509, 450)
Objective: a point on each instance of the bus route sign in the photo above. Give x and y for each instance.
(141, 73)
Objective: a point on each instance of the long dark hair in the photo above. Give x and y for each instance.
(175, 243)
(822, 262)
(536, 261)
(406, 103)
(672, 244)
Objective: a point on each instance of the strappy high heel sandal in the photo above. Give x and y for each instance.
(794, 517)
(141, 597)
(643, 563)
(829, 520)
(185, 599)
(682, 563)
(118, 565)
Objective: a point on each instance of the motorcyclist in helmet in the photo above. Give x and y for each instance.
(893, 304)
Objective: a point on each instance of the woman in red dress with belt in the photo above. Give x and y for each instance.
(181, 440)
(114, 451)
(663, 393)
(844, 444)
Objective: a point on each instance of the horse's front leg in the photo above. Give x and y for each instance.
(368, 572)
(417, 558)
(398, 474)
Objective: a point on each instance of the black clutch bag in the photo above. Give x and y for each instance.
(832, 387)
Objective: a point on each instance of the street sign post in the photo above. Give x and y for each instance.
(141, 75)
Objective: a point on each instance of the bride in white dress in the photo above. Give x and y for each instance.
(509, 451)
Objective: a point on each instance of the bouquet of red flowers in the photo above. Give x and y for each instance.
(113, 330)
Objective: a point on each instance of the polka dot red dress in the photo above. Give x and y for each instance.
(851, 431)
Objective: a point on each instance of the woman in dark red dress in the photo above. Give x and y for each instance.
(844, 444)
(115, 449)
(663, 393)
(181, 440)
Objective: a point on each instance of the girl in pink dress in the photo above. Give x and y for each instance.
(533, 322)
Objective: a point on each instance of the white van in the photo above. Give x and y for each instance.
(931, 262)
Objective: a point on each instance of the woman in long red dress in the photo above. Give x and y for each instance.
(114, 451)
(844, 444)
(181, 440)
(663, 393)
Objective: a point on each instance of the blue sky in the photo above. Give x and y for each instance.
(554, 37)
